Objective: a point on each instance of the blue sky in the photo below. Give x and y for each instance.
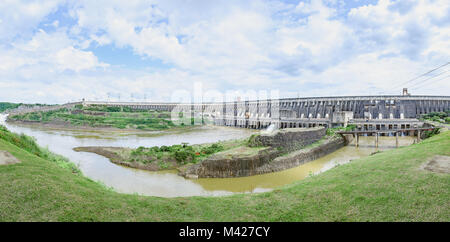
(58, 51)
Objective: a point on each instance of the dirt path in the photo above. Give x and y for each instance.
(439, 163)
(7, 159)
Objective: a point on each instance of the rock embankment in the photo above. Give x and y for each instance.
(289, 139)
(281, 150)
(112, 153)
(302, 156)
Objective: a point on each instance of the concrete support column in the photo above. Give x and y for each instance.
(376, 140)
(396, 139)
(418, 136)
(357, 140)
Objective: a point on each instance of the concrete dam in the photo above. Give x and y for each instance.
(366, 112)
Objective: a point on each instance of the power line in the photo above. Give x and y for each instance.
(424, 74)
(424, 81)
(423, 84)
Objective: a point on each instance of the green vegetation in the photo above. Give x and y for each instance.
(182, 154)
(441, 117)
(170, 157)
(102, 116)
(4, 106)
(388, 186)
(427, 134)
(28, 144)
(332, 131)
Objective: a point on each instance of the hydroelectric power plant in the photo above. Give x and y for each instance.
(366, 112)
(379, 116)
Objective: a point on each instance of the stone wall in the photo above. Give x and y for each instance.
(269, 159)
(302, 156)
(289, 139)
(223, 166)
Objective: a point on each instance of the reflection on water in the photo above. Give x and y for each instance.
(168, 183)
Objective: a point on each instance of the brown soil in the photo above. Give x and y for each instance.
(7, 158)
(439, 164)
(112, 153)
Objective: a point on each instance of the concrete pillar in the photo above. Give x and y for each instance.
(376, 140)
(396, 139)
(357, 139)
(418, 136)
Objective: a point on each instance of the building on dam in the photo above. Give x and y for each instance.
(366, 112)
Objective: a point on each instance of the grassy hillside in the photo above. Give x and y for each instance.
(387, 186)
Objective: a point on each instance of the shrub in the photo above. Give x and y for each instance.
(164, 148)
(428, 134)
(214, 148)
(435, 118)
(183, 155)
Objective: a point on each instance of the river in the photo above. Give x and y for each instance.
(168, 183)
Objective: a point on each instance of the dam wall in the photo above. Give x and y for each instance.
(399, 110)
(304, 112)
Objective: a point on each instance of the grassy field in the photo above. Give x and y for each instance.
(387, 186)
(102, 116)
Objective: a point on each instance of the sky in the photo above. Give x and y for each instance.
(55, 51)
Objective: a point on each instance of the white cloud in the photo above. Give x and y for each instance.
(73, 59)
(55, 52)
(21, 17)
(309, 47)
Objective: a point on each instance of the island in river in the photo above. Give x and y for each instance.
(162, 157)
(257, 154)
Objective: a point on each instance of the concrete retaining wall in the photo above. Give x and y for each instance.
(222, 167)
(302, 156)
(269, 159)
(290, 139)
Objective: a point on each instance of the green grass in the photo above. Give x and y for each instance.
(388, 186)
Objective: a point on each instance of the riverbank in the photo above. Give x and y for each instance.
(387, 186)
(60, 125)
(101, 117)
(161, 158)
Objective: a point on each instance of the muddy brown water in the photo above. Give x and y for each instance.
(168, 183)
